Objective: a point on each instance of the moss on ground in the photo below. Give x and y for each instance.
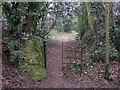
(31, 65)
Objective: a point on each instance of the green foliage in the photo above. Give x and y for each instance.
(16, 18)
(64, 15)
(97, 50)
(75, 68)
(99, 19)
(115, 37)
(26, 23)
(67, 24)
(11, 13)
(14, 49)
(59, 26)
(99, 53)
(82, 25)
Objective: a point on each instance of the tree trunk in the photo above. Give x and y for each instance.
(0, 45)
(27, 27)
(32, 64)
(89, 15)
(107, 12)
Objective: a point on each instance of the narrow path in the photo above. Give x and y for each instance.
(54, 63)
(54, 67)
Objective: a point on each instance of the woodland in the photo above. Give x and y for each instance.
(60, 44)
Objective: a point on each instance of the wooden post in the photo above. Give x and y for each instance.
(62, 56)
(81, 59)
(44, 46)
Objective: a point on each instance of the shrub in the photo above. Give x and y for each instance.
(14, 49)
(99, 53)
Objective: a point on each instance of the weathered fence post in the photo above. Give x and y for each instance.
(81, 59)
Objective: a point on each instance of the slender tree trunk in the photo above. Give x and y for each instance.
(107, 12)
(89, 15)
